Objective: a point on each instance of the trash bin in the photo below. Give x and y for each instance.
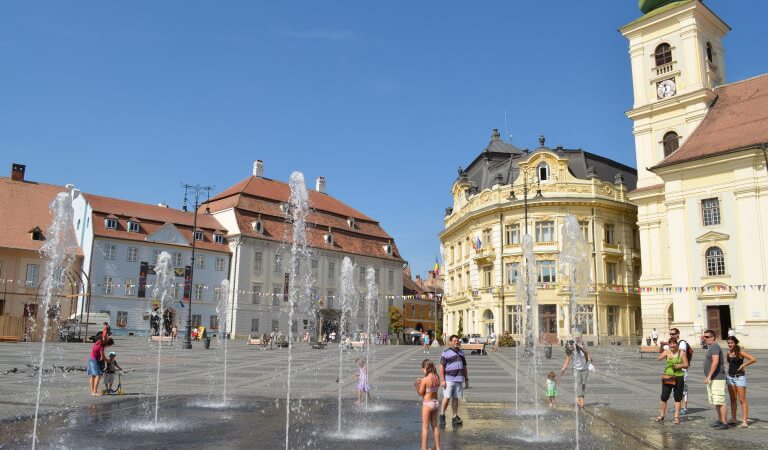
(548, 351)
(647, 341)
(207, 342)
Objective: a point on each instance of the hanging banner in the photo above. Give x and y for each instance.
(187, 284)
(143, 269)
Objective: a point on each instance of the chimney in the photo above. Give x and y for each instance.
(258, 168)
(320, 185)
(17, 172)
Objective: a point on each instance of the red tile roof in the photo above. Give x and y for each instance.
(24, 205)
(737, 120)
(151, 218)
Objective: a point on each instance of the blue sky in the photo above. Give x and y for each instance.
(384, 99)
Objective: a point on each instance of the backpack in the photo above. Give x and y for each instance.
(688, 351)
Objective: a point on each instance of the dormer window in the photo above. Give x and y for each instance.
(199, 235)
(284, 207)
(111, 224)
(351, 222)
(388, 249)
(133, 227)
(218, 238)
(542, 170)
(36, 234)
(328, 238)
(257, 226)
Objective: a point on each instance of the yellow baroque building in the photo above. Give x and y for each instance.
(702, 191)
(507, 192)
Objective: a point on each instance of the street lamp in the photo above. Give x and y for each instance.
(196, 190)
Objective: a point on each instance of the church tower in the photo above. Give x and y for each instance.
(677, 59)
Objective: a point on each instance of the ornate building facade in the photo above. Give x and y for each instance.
(507, 192)
(702, 191)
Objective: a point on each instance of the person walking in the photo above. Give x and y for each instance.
(655, 337)
(683, 345)
(453, 373)
(673, 378)
(715, 379)
(576, 355)
(737, 379)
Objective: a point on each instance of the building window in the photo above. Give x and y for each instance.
(542, 170)
(199, 235)
(177, 259)
(487, 276)
(610, 233)
(331, 270)
(663, 54)
(133, 254)
(613, 320)
(715, 262)
(111, 224)
(197, 320)
(122, 319)
(277, 294)
(390, 302)
(275, 325)
(218, 238)
(33, 272)
(107, 285)
(277, 267)
(611, 273)
(710, 211)
(133, 227)
(130, 287)
(198, 292)
(391, 278)
(218, 293)
(545, 231)
(258, 257)
(220, 264)
(584, 227)
(255, 325)
(361, 276)
(201, 262)
(37, 234)
(314, 267)
(487, 237)
(329, 297)
(585, 319)
(515, 318)
(214, 322)
(546, 271)
(671, 142)
(709, 53)
(512, 234)
(110, 251)
(255, 293)
(511, 272)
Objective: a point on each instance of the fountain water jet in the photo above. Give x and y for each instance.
(348, 304)
(222, 311)
(57, 251)
(527, 295)
(163, 287)
(371, 304)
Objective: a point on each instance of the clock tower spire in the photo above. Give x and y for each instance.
(677, 59)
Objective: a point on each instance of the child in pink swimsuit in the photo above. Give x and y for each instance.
(428, 387)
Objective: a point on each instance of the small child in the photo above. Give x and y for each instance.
(551, 389)
(109, 373)
(363, 388)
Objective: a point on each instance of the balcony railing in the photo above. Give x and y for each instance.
(663, 69)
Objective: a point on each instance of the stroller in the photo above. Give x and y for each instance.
(118, 389)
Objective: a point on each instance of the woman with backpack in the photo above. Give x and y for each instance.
(673, 378)
(737, 379)
(577, 357)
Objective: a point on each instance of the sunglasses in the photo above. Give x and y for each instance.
(708, 336)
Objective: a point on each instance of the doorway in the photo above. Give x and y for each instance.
(548, 323)
(719, 320)
(488, 319)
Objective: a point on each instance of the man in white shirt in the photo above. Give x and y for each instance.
(655, 337)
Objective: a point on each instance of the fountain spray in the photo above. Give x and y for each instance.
(163, 287)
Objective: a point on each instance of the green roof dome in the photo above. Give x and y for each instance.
(647, 6)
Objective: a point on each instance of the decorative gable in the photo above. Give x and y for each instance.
(711, 237)
(168, 234)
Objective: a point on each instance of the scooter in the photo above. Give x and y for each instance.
(119, 389)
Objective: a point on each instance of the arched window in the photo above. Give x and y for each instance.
(671, 143)
(715, 262)
(542, 171)
(663, 54)
(709, 53)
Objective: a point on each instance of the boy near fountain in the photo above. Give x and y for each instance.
(551, 386)
(109, 374)
(363, 388)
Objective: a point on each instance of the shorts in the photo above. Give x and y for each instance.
(109, 378)
(738, 381)
(453, 389)
(716, 392)
(581, 381)
(94, 367)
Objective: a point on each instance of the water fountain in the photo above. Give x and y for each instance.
(164, 281)
(299, 291)
(575, 266)
(526, 294)
(371, 308)
(348, 303)
(57, 252)
(222, 311)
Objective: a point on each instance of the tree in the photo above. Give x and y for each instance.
(395, 321)
(460, 331)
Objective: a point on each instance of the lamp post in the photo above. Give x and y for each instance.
(196, 190)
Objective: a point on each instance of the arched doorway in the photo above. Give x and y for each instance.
(488, 320)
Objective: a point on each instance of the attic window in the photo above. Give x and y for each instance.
(258, 226)
(328, 238)
(110, 224)
(218, 238)
(199, 235)
(351, 222)
(37, 234)
(133, 227)
(284, 207)
(542, 170)
(388, 249)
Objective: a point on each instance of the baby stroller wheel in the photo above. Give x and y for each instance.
(120, 391)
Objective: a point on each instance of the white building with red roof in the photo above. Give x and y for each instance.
(253, 212)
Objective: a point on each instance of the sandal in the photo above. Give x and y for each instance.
(744, 425)
(659, 419)
(677, 421)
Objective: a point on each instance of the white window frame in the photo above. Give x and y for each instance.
(110, 251)
(130, 287)
(198, 292)
(220, 264)
(133, 254)
(714, 263)
(218, 238)
(201, 262)
(542, 169)
(177, 261)
(110, 224)
(255, 293)
(511, 272)
(331, 270)
(710, 213)
(199, 235)
(611, 272)
(107, 285)
(133, 227)
(610, 233)
(258, 263)
(546, 271)
(512, 233)
(33, 275)
(545, 229)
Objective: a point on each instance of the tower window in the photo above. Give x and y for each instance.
(671, 143)
(663, 54)
(709, 52)
(543, 171)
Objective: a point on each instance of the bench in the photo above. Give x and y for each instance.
(9, 339)
(161, 338)
(254, 341)
(480, 348)
(647, 349)
(358, 344)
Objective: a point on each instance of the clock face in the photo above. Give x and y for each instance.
(666, 88)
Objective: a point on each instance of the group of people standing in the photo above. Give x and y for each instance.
(677, 355)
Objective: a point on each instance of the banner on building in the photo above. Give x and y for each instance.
(187, 284)
(143, 270)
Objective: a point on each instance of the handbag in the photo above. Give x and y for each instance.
(668, 379)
